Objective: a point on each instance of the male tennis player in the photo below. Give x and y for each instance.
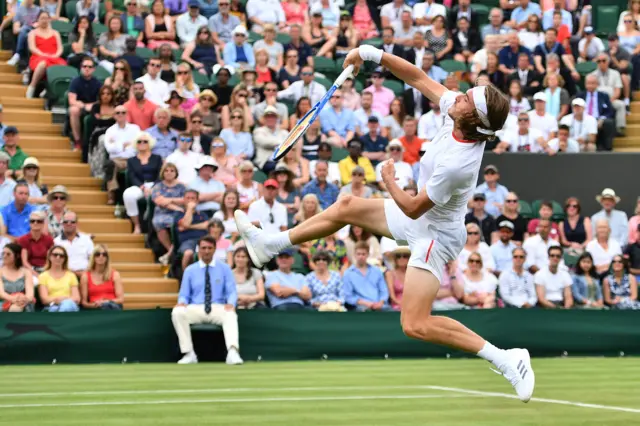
(432, 222)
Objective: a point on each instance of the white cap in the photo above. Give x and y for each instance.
(207, 160)
(578, 102)
(240, 29)
(540, 97)
(394, 142)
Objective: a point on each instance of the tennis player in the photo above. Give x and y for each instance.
(432, 222)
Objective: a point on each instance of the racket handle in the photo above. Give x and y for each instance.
(343, 76)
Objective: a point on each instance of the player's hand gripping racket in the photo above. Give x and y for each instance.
(303, 124)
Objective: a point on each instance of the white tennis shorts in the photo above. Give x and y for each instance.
(432, 244)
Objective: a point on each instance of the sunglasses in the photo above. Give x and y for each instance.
(306, 74)
(36, 220)
(59, 197)
(395, 148)
(239, 35)
(155, 65)
(357, 174)
(183, 72)
(510, 201)
(120, 113)
(601, 61)
(223, 4)
(88, 66)
(478, 261)
(186, 140)
(628, 21)
(100, 254)
(249, 171)
(554, 256)
(142, 141)
(68, 222)
(403, 256)
(30, 167)
(58, 255)
(196, 121)
(239, 117)
(523, 119)
(271, 218)
(518, 256)
(132, 4)
(242, 95)
(473, 233)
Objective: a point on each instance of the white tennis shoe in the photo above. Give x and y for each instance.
(189, 358)
(254, 238)
(518, 371)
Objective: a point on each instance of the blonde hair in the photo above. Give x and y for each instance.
(189, 84)
(106, 275)
(147, 136)
(65, 265)
(262, 51)
(245, 127)
(301, 215)
(38, 175)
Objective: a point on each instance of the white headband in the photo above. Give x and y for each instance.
(480, 100)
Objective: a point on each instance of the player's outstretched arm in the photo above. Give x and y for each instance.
(401, 68)
(413, 207)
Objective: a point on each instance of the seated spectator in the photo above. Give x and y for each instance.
(112, 43)
(438, 38)
(589, 46)
(288, 194)
(429, 124)
(545, 212)
(262, 12)
(508, 57)
(337, 122)
(210, 190)
(355, 159)
(583, 128)
(78, 245)
(542, 120)
(479, 62)
(88, 8)
(523, 139)
(629, 38)
(177, 115)
(404, 172)
(200, 301)
(274, 49)
(331, 244)
(185, 86)
(525, 10)
(451, 289)
(249, 78)
(227, 164)
(309, 207)
(538, 245)
(25, 17)
(140, 111)
(167, 63)
(393, 124)
(221, 89)
(480, 217)
(101, 285)
(102, 112)
(290, 72)
(363, 114)
(16, 281)
(249, 189)
(45, 46)
(634, 221)
(317, 36)
(57, 199)
(325, 153)
(350, 96)
(249, 281)
(516, 283)
(621, 62)
(610, 84)
(325, 285)
(357, 185)
(475, 245)
(191, 225)
(556, 98)
(270, 92)
(357, 234)
(16, 214)
(530, 82)
(633, 10)
(494, 192)
(158, 27)
(221, 20)
(12, 149)
(553, 284)
(287, 290)
(238, 53)
(156, 89)
(268, 213)
(563, 143)
(83, 93)
(305, 87)
(516, 98)
(238, 101)
(586, 289)
(35, 245)
(409, 140)
(266, 138)
(202, 53)
(189, 25)
(209, 117)
(598, 105)
(502, 250)
(265, 73)
(119, 142)
(495, 27)
(364, 286)
(603, 247)
(131, 57)
(617, 219)
(168, 197)
(57, 285)
(575, 230)
(511, 213)
(132, 21)
(619, 287)
(230, 203)
(530, 31)
(165, 138)
(479, 284)
(31, 176)
(493, 73)
(395, 277)
(326, 192)
(185, 159)
(83, 42)
(383, 98)
(303, 50)
(465, 41)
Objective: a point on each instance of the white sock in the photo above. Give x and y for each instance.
(278, 242)
(492, 354)
(627, 101)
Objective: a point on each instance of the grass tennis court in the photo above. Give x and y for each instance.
(576, 391)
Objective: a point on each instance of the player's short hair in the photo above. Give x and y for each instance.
(497, 111)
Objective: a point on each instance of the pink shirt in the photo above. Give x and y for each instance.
(382, 99)
(351, 100)
(226, 174)
(633, 228)
(295, 12)
(446, 283)
(362, 19)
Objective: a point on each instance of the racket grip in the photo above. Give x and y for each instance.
(343, 76)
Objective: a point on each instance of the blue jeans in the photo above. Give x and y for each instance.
(21, 44)
(111, 306)
(385, 308)
(67, 305)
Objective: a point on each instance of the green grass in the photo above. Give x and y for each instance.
(391, 392)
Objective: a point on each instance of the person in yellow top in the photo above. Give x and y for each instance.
(354, 159)
(58, 286)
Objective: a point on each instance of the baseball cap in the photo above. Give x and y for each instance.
(270, 110)
(395, 142)
(286, 252)
(506, 224)
(11, 129)
(588, 30)
(194, 3)
(240, 29)
(578, 102)
(373, 119)
(490, 168)
(479, 196)
(540, 97)
(271, 183)
(316, 9)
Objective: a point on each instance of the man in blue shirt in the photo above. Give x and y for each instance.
(338, 122)
(16, 214)
(508, 56)
(166, 138)
(6, 184)
(207, 295)
(502, 250)
(558, 6)
(521, 13)
(492, 190)
(364, 285)
(326, 192)
(286, 290)
(374, 145)
(192, 225)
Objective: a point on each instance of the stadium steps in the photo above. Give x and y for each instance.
(631, 141)
(144, 283)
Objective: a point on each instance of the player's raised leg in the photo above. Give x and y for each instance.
(420, 289)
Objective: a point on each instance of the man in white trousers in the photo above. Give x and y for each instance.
(207, 295)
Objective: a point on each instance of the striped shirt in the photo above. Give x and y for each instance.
(517, 289)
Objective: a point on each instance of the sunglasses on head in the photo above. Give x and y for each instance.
(36, 220)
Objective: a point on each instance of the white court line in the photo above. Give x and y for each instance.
(549, 401)
(232, 400)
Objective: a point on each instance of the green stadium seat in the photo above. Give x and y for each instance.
(253, 37)
(525, 209)
(585, 68)
(259, 176)
(145, 53)
(69, 10)
(338, 154)
(234, 80)
(606, 19)
(98, 29)
(324, 81)
(177, 55)
(101, 74)
(464, 86)
(66, 50)
(449, 65)
(558, 211)
(291, 106)
(482, 11)
(326, 66)
(298, 264)
(283, 39)
(570, 258)
(58, 79)
(396, 86)
(64, 28)
(201, 80)
(376, 42)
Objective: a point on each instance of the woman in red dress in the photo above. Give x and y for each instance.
(45, 46)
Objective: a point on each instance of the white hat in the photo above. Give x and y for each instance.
(207, 160)
(578, 102)
(540, 97)
(394, 142)
(270, 110)
(240, 29)
(316, 9)
(608, 193)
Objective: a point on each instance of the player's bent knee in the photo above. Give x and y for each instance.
(343, 203)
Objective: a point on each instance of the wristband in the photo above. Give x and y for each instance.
(370, 53)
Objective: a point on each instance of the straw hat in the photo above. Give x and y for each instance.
(608, 193)
(58, 189)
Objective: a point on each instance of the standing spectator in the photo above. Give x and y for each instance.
(599, 106)
(338, 122)
(364, 286)
(610, 83)
(207, 295)
(545, 212)
(83, 93)
(586, 289)
(326, 192)
(540, 119)
(479, 284)
(516, 283)
(475, 245)
(209, 189)
(45, 46)
(266, 138)
(35, 244)
(538, 245)
(575, 230)
(617, 219)
(287, 290)
(479, 216)
(189, 24)
(502, 250)
(553, 284)
(101, 285)
(325, 285)
(249, 281)
(620, 288)
(355, 159)
(237, 52)
(78, 245)
(494, 192)
(382, 96)
(140, 111)
(582, 127)
(12, 149)
(603, 247)
(23, 21)
(262, 12)
(16, 282)
(224, 26)
(17, 213)
(155, 88)
(306, 87)
(57, 285)
(511, 213)
(269, 214)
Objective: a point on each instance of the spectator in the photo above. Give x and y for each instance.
(424, 13)
(227, 164)
(633, 9)
(249, 189)
(326, 192)
(510, 212)
(621, 61)
(45, 46)
(132, 21)
(165, 138)
(395, 277)
(35, 244)
(102, 112)
(479, 62)
(389, 44)
(31, 176)
(205, 121)
(338, 122)
(563, 143)
(393, 124)
(287, 290)
(390, 13)
(451, 289)
(159, 28)
(493, 73)
(538, 245)
(475, 245)
(365, 113)
(239, 98)
(495, 26)
(16, 214)
(541, 120)
(516, 98)
(479, 284)
(156, 89)
(224, 27)
(274, 49)
(142, 171)
(463, 9)
(249, 281)
(617, 219)
(350, 96)
(295, 12)
(230, 203)
(610, 83)
(603, 247)
(112, 43)
(409, 140)
(78, 245)
(57, 285)
(357, 234)
(304, 53)
(599, 107)
(634, 221)
(586, 289)
(404, 173)
(545, 212)
(267, 212)
(582, 127)
(521, 14)
(516, 283)
(383, 97)
(364, 286)
(176, 107)
(119, 144)
(16, 283)
(480, 217)
(620, 288)
(168, 197)
(312, 139)
(575, 231)
(130, 56)
(553, 284)
(330, 244)
(510, 54)
(238, 9)
(56, 209)
(502, 250)
(25, 18)
(238, 53)
(191, 225)
(200, 302)
(288, 195)
(405, 30)
(237, 138)
(140, 111)
(189, 25)
(101, 285)
(185, 159)
(202, 53)
(319, 38)
(547, 17)
(325, 285)
(325, 155)
(494, 192)
(309, 207)
(224, 251)
(430, 124)
(267, 138)
(590, 45)
(357, 185)
(557, 98)
(2, 126)
(221, 89)
(208, 8)
(270, 91)
(176, 7)
(210, 190)
(12, 149)
(355, 159)
(83, 93)
(167, 63)
(185, 86)
(262, 12)
(83, 42)
(527, 76)
(306, 87)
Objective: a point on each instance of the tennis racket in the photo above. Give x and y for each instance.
(303, 124)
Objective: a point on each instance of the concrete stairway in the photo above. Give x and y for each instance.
(631, 142)
(144, 284)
